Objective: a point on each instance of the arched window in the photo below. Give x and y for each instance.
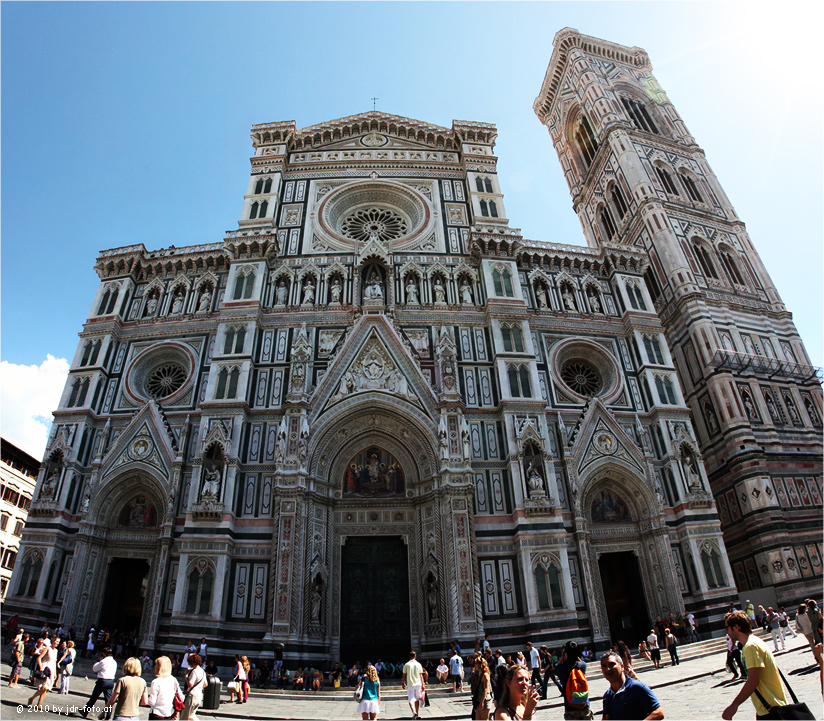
(484, 209)
(653, 348)
(519, 386)
(101, 309)
(585, 140)
(618, 201)
(479, 184)
(666, 181)
(95, 352)
(259, 186)
(712, 568)
(199, 592)
(112, 301)
(639, 115)
(670, 391)
(547, 582)
(704, 260)
(497, 282)
(692, 188)
(240, 339)
(28, 584)
(731, 267)
(253, 211)
(493, 209)
(264, 206)
(666, 392)
(267, 186)
(84, 389)
(233, 380)
(238, 293)
(249, 286)
(652, 284)
(228, 344)
(636, 298)
(222, 377)
(487, 185)
(86, 351)
(75, 391)
(507, 278)
(513, 338)
(607, 222)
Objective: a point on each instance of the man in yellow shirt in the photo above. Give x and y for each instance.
(761, 669)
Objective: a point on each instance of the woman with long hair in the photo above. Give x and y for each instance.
(163, 690)
(518, 699)
(236, 684)
(66, 664)
(195, 680)
(481, 685)
(623, 651)
(46, 666)
(370, 704)
(244, 687)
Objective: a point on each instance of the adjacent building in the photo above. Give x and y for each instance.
(375, 416)
(18, 472)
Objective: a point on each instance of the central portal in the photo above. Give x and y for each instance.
(122, 606)
(374, 606)
(624, 597)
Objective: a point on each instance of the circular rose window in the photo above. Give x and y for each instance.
(163, 372)
(366, 223)
(584, 369)
(582, 377)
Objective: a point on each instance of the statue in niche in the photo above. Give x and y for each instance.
(87, 498)
(205, 300)
(808, 404)
(347, 385)
(691, 466)
(540, 294)
(374, 287)
(309, 293)
(280, 446)
(49, 484)
(177, 303)
(439, 291)
(443, 440)
(170, 504)
(465, 440)
(466, 293)
(151, 305)
(534, 479)
(709, 416)
(335, 291)
(772, 409)
(791, 410)
(280, 294)
(317, 598)
(432, 597)
(303, 440)
(609, 507)
(569, 300)
(211, 482)
(594, 303)
(411, 292)
(748, 404)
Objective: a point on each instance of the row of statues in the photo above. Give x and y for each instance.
(204, 304)
(373, 291)
(570, 304)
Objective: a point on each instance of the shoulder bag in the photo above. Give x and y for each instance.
(792, 710)
(359, 693)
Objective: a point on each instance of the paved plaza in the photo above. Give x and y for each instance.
(696, 689)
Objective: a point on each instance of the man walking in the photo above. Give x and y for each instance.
(763, 679)
(750, 610)
(654, 651)
(627, 698)
(568, 665)
(456, 671)
(775, 628)
(412, 681)
(534, 664)
(105, 668)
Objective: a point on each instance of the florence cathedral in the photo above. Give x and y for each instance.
(375, 417)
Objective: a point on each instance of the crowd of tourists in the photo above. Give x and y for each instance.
(502, 685)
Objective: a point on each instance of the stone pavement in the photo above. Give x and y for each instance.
(695, 689)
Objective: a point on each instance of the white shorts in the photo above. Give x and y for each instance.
(413, 693)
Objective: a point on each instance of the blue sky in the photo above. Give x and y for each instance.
(129, 122)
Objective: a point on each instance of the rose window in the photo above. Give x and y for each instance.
(366, 223)
(165, 380)
(581, 377)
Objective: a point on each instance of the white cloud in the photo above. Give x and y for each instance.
(28, 395)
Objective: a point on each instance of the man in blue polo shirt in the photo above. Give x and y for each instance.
(626, 698)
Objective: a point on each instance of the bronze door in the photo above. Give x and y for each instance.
(374, 608)
(624, 597)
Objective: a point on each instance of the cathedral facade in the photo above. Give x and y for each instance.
(375, 417)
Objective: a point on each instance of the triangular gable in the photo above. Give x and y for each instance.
(601, 439)
(374, 358)
(143, 445)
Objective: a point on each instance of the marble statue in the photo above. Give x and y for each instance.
(411, 292)
(280, 294)
(205, 300)
(335, 291)
(177, 303)
(466, 293)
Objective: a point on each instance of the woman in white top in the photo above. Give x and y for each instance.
(195, 679)
(190, 649)
(204, 647)
(163, 690)
(47, 663)
(66, 663)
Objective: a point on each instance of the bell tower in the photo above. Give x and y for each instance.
(638, 178)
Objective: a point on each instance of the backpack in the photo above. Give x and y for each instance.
(577, 689)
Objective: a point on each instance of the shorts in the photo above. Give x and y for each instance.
(16, 668)
(413, 693)
(456, 678)
(655, 654)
